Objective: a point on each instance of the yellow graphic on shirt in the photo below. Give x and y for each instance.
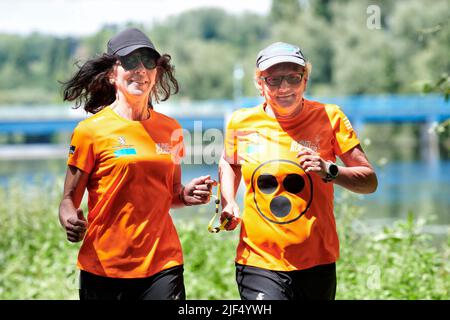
(282, 191)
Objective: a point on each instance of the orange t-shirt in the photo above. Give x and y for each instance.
(130, 165)
(288, 220)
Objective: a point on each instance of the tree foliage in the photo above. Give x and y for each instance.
(206, 45)
(284, 10)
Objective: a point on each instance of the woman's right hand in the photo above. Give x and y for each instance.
(231, 213)
(74, 224)
(71, 218)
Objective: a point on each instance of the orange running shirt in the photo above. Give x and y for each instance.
(131, 164)
(288, 220)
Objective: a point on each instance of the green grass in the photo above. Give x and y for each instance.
(395, 262)
(37, 262)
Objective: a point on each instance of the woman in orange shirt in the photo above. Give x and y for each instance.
(285, 150)
(127, 156)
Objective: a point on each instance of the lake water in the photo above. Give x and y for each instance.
(413, 186)
(413, 170)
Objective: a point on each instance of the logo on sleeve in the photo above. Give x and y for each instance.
(347, 124)
(72, 150)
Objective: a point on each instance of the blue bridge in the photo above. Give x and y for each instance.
(359, 109)
(426, 110)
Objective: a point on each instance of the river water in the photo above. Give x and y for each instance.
(404, 187)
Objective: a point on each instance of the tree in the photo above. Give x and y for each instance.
(204, 69)
(322, 8)
(313, 35)
(363, 59)
(284, 10)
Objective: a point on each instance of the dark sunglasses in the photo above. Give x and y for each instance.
(275, 81)
(131, 61)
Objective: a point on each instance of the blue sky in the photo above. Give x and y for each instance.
(81, 17)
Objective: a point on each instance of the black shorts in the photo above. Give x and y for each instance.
(317, 283)
(165, 285)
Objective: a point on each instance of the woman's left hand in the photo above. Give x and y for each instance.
(311, 161)
(198, 191)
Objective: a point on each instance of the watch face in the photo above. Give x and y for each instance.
(333, 170)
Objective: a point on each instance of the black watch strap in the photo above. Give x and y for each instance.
(328, 178)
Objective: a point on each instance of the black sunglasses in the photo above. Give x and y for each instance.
(275, 81)
(131, 61)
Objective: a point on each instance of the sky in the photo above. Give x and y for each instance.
(83, 17)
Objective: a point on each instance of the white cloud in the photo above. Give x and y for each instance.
(63, 17)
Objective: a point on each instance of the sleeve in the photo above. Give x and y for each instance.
(344, 136)
(231, 143)
(81, 151)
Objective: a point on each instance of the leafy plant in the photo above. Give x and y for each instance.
(398, 261)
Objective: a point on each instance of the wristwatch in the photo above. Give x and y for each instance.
(332, 172)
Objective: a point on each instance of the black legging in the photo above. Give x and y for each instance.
(165, 285)
(317, 283)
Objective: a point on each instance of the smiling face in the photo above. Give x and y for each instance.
(286, 97)
(134, 83)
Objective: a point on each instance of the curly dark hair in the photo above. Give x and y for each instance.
(90, 86)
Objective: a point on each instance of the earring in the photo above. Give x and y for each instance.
(111, 81)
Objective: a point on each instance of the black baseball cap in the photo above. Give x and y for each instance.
(279, 52)
(127, 41)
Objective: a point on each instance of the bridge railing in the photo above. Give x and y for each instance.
(213, 114)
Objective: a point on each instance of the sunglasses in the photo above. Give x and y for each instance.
(131, 61)
(275, 81)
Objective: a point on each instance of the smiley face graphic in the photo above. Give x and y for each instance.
(282, 191)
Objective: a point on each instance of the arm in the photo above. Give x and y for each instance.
(177, 188)
(70, 216)
(197, 191)
(357, 175)
(230, 178)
